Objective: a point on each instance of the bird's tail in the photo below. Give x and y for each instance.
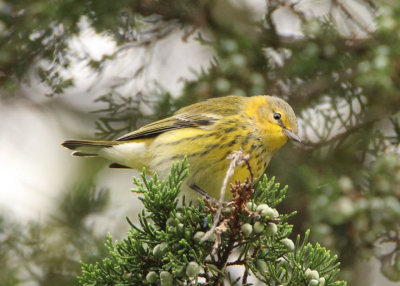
(87, 148)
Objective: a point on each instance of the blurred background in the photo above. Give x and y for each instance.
(97, 69)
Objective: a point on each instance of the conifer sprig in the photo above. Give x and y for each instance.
(167, 248)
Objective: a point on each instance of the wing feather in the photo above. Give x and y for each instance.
(174, 122)
(197, 115)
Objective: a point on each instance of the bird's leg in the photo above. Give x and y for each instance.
(208, 197)
(204, 194)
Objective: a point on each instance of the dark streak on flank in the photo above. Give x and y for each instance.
(246, 139)
(178, 141)
(227, 153)
(194, 154)
(231, 143)
(204, 135)
(176, 157)
(212, 146)
(169, 159)
(231, 129)
(218, 134)
(255, 147)
(258, 155)
(205, 152)
(199, 153)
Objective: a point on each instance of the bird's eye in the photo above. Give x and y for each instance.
(277, 116)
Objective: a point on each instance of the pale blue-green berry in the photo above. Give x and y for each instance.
(152, 277)
(345, 207)
(251, 206)
(271, 229)
(198, 236)
(238, 61)
(261, 265)
(166, 278)
(265, 210)
(179, 216)
(247, 229)
(262, 207)
(170, 221)
(322, 281)
(179, 271)
(192, 269)
(281, 261)
(258, 227)
(313, 282)
(160, 249)
(311, 274)
(222, 85)
(288, 243)
(212, 237)
(345, 184)
(228, 210)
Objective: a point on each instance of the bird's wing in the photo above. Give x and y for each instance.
(198, 115)
(178, 121)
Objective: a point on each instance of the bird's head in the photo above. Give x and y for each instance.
(275, 118)
(281, 114)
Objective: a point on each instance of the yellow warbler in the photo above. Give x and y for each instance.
(207, 133)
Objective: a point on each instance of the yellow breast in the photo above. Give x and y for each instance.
(207, 152)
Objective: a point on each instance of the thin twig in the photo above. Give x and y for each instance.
(238, 158)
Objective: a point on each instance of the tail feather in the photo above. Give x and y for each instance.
(87, 148)
(81, 154)
(123, 154)
(118, 166)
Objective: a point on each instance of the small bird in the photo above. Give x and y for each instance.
(206, 133)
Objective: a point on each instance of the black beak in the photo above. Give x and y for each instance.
(291, 135)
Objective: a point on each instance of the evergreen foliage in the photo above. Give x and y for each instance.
(341, 76)
(48, 252)
(167, 248)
